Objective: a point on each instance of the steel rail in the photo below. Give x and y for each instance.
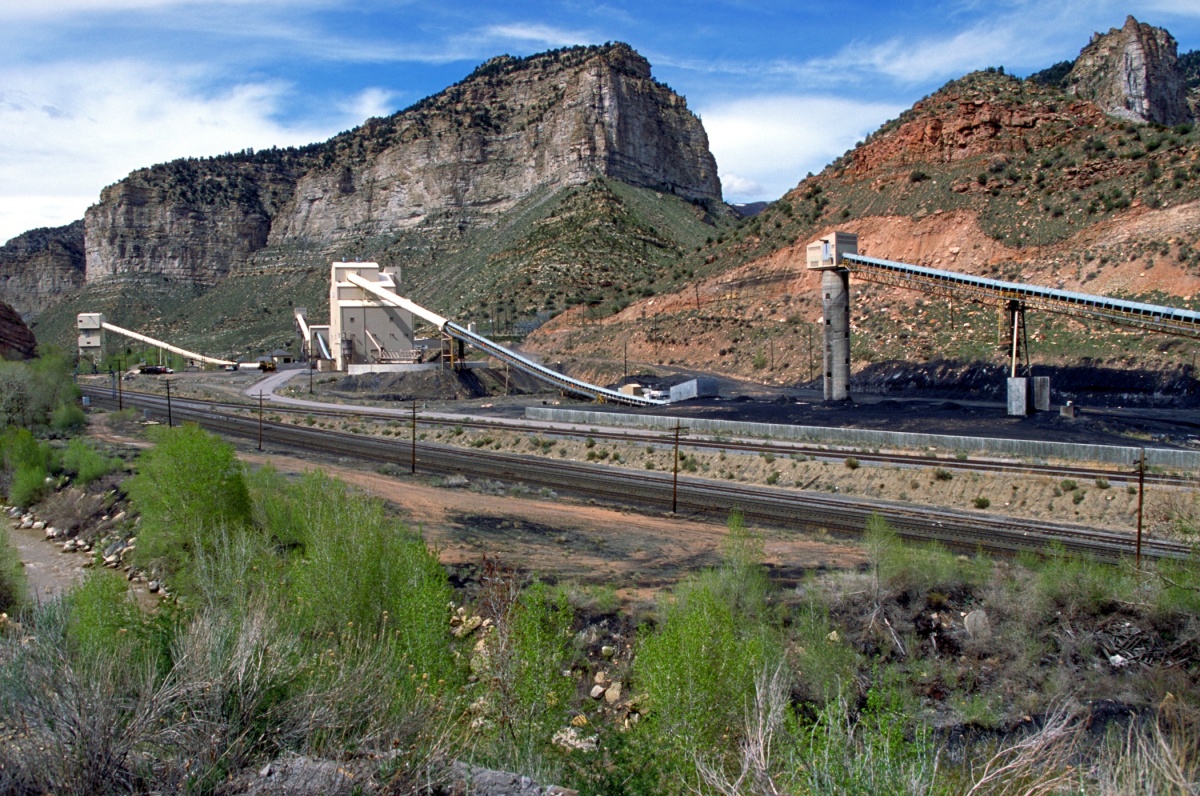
(817, 452)
(786, 509)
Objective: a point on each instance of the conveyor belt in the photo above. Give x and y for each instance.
(478, 341)
(1171, 320)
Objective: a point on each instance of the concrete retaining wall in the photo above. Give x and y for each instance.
(1176, 460)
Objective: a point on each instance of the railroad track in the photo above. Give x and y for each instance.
(818, 452)
(786, 509)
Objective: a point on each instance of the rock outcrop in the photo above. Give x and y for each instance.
(1133, 72)
(456, 160)
(16, 341)
(40, 266)
(189, 221)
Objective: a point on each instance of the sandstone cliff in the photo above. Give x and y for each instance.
(16, 341)
(190, 220)
(453, 161)
(38, 267)
(1132, 72)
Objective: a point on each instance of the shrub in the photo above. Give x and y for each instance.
(67, 418)
(1067, 485)
(13, 594)
(1077, 498)
(905, 567)
(85, 464)
(528, 696)
(1102, 483)
(188, 485)
(942, 474)
(357, 571)
(981, 502)
(851, 463)
(698, 667)
(28, 485)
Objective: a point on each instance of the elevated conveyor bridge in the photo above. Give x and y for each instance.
(1152, 317)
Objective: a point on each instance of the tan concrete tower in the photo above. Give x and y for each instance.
(825, 255)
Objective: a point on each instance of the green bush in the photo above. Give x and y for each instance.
(981, 502)
(28, 485)
(82, 462)
(698, 668)
(355, 571)
(67, 418)
(188, 485)
(105, 624)
(527, 695)
(13, 594)
(917, 568)
(1075, 585)
(851, 463)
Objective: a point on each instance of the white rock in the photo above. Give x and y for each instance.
(1118, 661)
(978, 625)
(38, 526)
(598, 691)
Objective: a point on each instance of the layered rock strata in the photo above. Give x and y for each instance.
(1133, 72)
(38, 267)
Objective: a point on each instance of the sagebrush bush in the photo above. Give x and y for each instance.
(28, 485)
(917, 568)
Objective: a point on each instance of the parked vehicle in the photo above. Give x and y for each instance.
(155, 370)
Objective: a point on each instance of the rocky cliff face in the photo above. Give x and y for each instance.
(38, 267)
(16, 341)
(189, 221)
(1133, 72)
(512, 127)
(452, 161)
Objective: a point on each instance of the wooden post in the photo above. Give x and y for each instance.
(1141, 493)
(260, 419)
(120, 388)
(170, 422)
(675, 472)
(413, 467)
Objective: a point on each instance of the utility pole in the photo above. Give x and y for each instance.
(120, 388)
(675, 473)
(625, 372)
(1141, 493)
(170, 421)
(413, 468)
(312, 364)
(260, 419)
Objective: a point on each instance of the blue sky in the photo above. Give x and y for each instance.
(92, 89)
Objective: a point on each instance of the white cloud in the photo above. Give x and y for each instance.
(532, 33)
(25, 212)
(370, 102)
(71, 129)
(48, 9)
(765, 145)
(737, 185)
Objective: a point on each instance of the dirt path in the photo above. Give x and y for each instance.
(636, 553)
